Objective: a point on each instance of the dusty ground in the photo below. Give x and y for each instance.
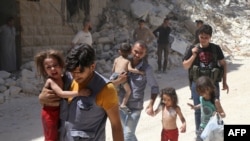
(20, 116)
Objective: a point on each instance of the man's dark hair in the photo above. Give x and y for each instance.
(80, 56)
(204, 84)
(141, 21)
(142, 44)
(170, 91)
(207, 29)
(199, 21)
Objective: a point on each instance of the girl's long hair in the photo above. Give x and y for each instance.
(203, 84)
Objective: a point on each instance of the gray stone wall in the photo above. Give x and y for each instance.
(44, 25)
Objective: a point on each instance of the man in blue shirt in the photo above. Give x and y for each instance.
(138, 84)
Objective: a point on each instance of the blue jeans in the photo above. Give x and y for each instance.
(196, 100)
(129, 124)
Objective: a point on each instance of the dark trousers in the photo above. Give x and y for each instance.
(162, 48)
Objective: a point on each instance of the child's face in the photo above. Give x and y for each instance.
(205, 95)
(52, 68)
(167, 100)
(204, 39)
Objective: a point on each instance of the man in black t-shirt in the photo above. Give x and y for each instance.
(202, 56)
(162, 34)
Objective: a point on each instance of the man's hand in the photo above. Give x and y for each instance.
(121, 79)
(48, 96)
(225, 87)
(195, 50)
(149, 110)
(191, 106)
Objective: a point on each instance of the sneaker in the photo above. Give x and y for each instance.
(125, 110)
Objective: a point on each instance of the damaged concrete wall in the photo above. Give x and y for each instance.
(45, 25)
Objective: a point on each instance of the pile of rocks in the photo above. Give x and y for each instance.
(24, 82)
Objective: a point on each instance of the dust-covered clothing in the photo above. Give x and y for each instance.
(83, 37)
(144, 34)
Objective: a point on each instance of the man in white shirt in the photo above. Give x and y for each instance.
(84, 35)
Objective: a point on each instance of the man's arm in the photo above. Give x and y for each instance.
(110, 104)
(63, 94)
(223, 63)
(149, 108)
(219, 108)
(188, 63)
(48, 96)
(116, 126)
(134, 70)
(151, 81)
(159, 108)
(75, 39)
(155, 32)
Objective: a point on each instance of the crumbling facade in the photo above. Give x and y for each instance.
(48, 24)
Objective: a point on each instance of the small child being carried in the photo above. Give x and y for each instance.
(50, 66)
(121, 65)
